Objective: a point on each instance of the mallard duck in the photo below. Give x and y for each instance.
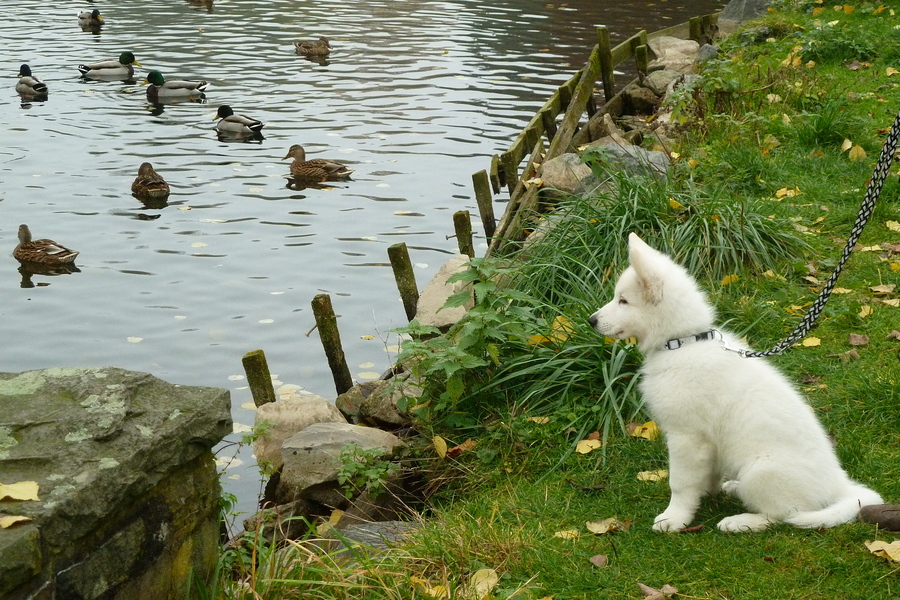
(90, 19)
(162, 89)
(319, 47)
(29, 85)
(121, 68)
(236, 124)
(318, 169)
(41, 251)
(149, 184)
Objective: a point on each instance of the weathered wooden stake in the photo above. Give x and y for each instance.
(405, 278)
(258, 377)
(641, 59)
(326, 321)
(606, 66)
(485, 203)
(696, 28)
(462, 224)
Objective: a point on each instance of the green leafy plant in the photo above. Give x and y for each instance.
(364, 469)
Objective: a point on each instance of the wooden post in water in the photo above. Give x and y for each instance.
(326, 321)
(606, 66)
(405, 278)
(462, 224)
(258, 377)
(485, 203)
(641, 59)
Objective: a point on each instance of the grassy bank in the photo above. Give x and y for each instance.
(775, 147)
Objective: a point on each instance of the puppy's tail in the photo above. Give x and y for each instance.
(844, 510)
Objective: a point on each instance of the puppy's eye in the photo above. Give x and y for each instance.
(622, 300)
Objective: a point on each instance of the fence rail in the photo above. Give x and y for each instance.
(544, 138)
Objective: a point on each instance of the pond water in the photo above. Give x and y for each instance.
(415, 97)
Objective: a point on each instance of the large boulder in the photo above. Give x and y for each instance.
(277, 421)
(673, 53)
(430, 308)
(564, 172)
(127, 486)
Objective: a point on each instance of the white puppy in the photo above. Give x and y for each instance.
(731, 423)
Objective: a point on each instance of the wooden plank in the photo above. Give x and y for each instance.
(497, 180)
(576, 107)
(462, 225)
(642, 59)
(509, 228)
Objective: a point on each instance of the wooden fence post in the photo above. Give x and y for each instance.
(641, 59)
(606, 66)
(326, 321)
(462, 224)
(258, 377)
(485, 203)
(405, 278)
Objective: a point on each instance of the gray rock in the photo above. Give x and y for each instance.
(430, 308)
(564, 172)
(313, 456)
(673, 53)
(376, 402)
(706, 52)
(659, 81)
(640, 100)
(286, 418)
(635, 160)
(129, 494)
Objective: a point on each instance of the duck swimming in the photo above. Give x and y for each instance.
(28, 84)
(317, 169)
(90, 19)
(236, 124)
(319, 47)
(41, 251)
(121, 68)
(149, 185)
(162, 89)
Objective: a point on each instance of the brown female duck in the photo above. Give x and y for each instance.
(149, 184)
(41, 251)
(318, 169)
(319, 47)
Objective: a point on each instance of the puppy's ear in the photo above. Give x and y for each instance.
(642, 261)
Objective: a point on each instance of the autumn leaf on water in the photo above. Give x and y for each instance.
(657, 475)
(887, 551)
(648, 431)
(23, 490)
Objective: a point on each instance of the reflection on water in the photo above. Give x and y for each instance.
(415, 97)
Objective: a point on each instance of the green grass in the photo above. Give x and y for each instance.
(756, 126)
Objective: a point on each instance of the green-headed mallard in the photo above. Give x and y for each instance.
(319, 47)
(149, 184)
(162, 89)
(236, 124)
(41, 251)
(28, 84)
(90, 19)
(121, 68)
(318, 169)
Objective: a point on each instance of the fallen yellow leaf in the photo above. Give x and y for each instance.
(585, 446)
(790, 193)
(439, 592)
(891, 71)
(811, 341)
(657, 475)
(818, 11)
(889, 551)
(729, 279)
(567, 534)
(607, 526)
(648, 431)
(846, 145)
(848, 9)
(771, 142)
(893, 226)
(895, 302)
(857, 153)
(23, 490)
(539, 420)
(870, 249)
(675, 203)
(885, 288)
(560, 329)
(840, 290)
(865, 311)
(878, 10)
(440, 446)
(8, 521)
(481, 583)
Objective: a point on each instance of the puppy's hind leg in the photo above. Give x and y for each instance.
(744, 522)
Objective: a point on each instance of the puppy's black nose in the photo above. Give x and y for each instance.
(593, 320)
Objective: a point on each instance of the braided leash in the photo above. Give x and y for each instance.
(865, 211)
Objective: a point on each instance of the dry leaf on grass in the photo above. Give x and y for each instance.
(847, 356)
(467, 445)
(858, 339)
(664, 593)
(440, 446)
(481, 583)
(811, 342)
(894, 335)
(887, 551)
(885, 288)
(567, 534)
(610, 525)
(647, 431)
(599, 560)
(866, 311)
(657, 475)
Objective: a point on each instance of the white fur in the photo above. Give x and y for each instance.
(731, 423)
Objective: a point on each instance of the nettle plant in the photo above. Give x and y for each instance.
(364, 470)
(455, 365)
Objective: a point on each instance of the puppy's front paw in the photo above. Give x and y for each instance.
(670, 521)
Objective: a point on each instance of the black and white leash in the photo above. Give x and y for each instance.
(868, 205)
